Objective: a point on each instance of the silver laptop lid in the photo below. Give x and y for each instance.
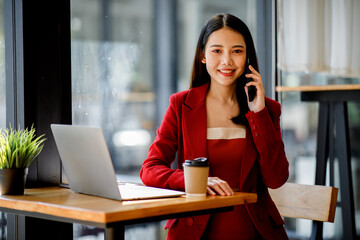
(86, 160)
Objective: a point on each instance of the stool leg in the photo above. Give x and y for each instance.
(331, 139)
(317, 231)
(115, 233)
(322, 153)
(346, 186)
(322, 149)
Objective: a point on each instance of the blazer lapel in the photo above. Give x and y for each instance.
(249, 158)
(194, 131)
(194, 122)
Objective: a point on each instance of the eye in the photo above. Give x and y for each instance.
(238, 51)
(216, 51)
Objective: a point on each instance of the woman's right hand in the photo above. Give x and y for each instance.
(216, 186)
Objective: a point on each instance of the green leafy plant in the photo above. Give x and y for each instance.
(18, 148)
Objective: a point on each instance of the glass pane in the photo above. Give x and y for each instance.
(112, 76)
(112, 85)
(112, 51)
(317, 55)
(112, 71)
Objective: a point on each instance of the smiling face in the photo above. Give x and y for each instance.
(225, 56)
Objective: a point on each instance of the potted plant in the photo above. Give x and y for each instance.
(18, 148)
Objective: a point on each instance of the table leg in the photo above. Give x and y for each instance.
(322, 149)
(23, 228)
(317, 230)
(331, 143)
(346, 186)
(115, 233)
(322, 153)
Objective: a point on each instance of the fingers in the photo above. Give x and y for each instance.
(259, 101)
(256, 77)
(218, 186)
(211, 192)
(256, 81)
(253, 73)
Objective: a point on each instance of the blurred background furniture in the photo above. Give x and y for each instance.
(333, 140)
(312, 202)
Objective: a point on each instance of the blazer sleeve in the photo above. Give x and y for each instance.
(266, 132)
(156, 169)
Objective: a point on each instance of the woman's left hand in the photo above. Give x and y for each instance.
(259, 101)
(218, 186)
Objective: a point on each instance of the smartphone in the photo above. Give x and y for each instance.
(251, 89)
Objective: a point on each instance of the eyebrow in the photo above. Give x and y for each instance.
(235, 46)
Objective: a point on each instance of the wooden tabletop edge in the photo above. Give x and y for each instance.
(312, 88)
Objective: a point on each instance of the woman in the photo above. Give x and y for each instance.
(240, 138)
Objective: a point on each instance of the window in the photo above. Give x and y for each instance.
(311, 61)
(112, 76)
(114, 83)
(113, 68)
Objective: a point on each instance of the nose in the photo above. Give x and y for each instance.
(227, 60)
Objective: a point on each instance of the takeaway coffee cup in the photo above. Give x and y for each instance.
(196, 174)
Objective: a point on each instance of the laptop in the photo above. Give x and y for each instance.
(89, 169)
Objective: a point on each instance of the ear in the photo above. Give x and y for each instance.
(203, 60)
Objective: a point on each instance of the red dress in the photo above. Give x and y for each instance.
(225, 150)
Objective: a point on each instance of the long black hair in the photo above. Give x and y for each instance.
(199, 74)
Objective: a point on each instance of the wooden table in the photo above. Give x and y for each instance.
(333, 139)
(60, 204)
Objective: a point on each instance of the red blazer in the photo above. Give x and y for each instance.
(183, 132)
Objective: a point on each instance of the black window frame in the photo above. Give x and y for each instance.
(38, 93)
